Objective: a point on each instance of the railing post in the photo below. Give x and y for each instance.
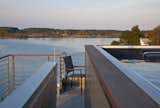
(54, 54)
(61, 70)
(13, 73)
(48, 58)
(85, 69)
(7, 76)
(62, 73)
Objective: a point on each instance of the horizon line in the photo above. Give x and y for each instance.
(22, 28)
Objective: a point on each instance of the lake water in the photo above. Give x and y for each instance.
(26, 66)
(46, 45)
(149, 70)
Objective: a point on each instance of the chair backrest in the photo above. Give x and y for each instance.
(68, 64)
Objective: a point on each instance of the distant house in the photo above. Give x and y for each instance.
(144, 41)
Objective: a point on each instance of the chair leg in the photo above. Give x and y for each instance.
(81, 80)
(72, 80)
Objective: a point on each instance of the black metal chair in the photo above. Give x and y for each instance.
(70, 68)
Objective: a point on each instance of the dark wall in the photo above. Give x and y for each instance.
(130, 53)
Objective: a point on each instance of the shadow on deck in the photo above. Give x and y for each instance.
(72, 97)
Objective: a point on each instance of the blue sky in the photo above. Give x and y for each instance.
(80, 14)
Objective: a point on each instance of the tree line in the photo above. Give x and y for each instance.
(132, 37)
(154, 36)
(12, 32)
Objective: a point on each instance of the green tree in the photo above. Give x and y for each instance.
(137, 31)
(131, 37)
(115, 43)
(154, 36)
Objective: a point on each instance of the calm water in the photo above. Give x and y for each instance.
(69, 45)
(26, 66)
(149, 70)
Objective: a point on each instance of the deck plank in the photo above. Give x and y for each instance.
(71, 99)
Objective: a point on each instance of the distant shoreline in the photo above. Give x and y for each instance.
(12, 32)
(26, 37)
(57, 37)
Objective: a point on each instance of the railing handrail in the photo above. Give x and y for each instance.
(7, 55)
(2, 57)
(37, 54)
(9, 61)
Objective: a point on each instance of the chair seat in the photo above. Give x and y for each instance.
(76, 75)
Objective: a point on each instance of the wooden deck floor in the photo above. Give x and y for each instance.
(71, 99)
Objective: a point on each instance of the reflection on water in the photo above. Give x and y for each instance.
(149, 70)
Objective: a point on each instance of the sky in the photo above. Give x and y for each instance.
(80, 14)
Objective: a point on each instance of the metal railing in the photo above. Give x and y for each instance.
(16, 68)
(4, 76)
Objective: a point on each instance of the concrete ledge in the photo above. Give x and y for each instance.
(129, 47)
(123, 87)
(35, 90)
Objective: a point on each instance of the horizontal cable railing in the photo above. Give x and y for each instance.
(37, 91)
(16, 68)
(4, 76)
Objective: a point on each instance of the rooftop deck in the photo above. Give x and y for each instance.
(108, 84)
(71, 99)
